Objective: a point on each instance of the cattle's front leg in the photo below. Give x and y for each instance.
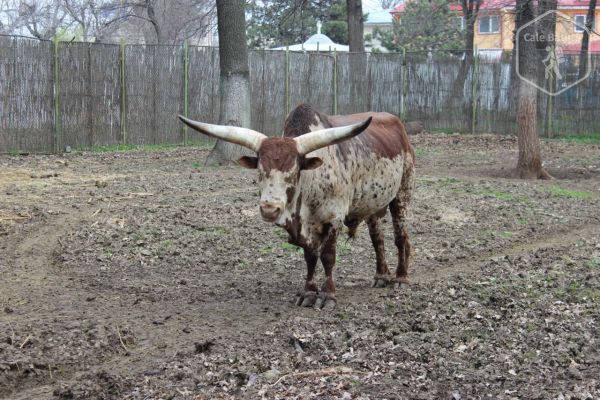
(309, 296)
(327, 298)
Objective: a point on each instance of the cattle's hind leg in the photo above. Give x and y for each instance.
(398, 211)
(382, 273)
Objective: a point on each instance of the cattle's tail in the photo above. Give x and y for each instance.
(407, 185)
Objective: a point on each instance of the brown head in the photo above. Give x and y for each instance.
(279, 160)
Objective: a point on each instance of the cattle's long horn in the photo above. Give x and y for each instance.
(242, 136)
(315, 140)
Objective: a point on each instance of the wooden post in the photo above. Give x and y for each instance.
(287, 80)
(123, 108)
(549, 107)
(474, 81)
(186, 61)
(57, 117)
(91, 96)
(335, 82)
(403, 89)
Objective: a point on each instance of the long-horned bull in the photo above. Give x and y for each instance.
(323, 174)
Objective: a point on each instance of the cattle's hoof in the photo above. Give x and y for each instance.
(307, 299)
(401, 286)
(325, 303)
(381, 282)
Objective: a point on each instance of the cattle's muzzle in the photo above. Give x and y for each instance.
(270, 211)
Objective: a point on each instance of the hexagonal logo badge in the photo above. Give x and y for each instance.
(558, 53)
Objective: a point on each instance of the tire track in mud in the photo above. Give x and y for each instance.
(554, 240)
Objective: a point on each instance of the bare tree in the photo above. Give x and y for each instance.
(235, 82)
(173, 21)
(585, 39)
(41, 19)
(529, 164)
(355, 26)
(9, 16)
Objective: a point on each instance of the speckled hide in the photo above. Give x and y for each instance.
(341, 184)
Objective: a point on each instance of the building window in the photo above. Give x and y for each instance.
(490, 24)
(580, 20)
(460, 23)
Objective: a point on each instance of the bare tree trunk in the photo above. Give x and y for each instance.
(585, 39)
(235, 83)
(529, 164)
(355, 26)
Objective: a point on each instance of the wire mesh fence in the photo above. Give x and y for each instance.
(82, 95)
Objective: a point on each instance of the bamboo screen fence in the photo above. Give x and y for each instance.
(56, 94)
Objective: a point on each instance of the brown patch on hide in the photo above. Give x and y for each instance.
(289, 192)
(280, 154)
(294, 226)
(300, 119)
(385, 136)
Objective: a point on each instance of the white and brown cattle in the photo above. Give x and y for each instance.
(324, 174)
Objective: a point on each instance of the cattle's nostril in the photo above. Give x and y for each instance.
(270, 210)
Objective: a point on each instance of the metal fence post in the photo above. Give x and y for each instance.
(57, 116)
(474, 81)
(186, 61)
(123, 108)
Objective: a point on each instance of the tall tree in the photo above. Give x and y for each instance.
(470, 9)
(529, 164)
(424, 25)
(234, 78)
(356, 39)
(585, 39)
(286, 22)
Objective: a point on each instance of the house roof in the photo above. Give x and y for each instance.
(317, 42)
(379, 17)
(499, 4)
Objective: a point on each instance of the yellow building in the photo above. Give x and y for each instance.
(495, 24)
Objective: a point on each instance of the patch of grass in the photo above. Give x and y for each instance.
(558, 191)
(265, 249)
(145, 147)
(424, 152)
(506, 234)
(592, 138)
(14, 153)
(500, 195)
(196, 165)
(291, 247)
(593, 262)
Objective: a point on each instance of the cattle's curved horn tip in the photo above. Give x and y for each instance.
(366, 124)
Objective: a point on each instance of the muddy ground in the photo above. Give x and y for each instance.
(144, 275)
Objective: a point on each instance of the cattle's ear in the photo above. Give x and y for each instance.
(248, 162)
(311, 163)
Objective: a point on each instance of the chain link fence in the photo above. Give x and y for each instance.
(82, 95)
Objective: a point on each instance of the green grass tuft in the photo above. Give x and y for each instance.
(558, 191)
(146, 147)
(592, 138)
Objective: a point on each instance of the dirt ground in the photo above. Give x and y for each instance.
(144, 275)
